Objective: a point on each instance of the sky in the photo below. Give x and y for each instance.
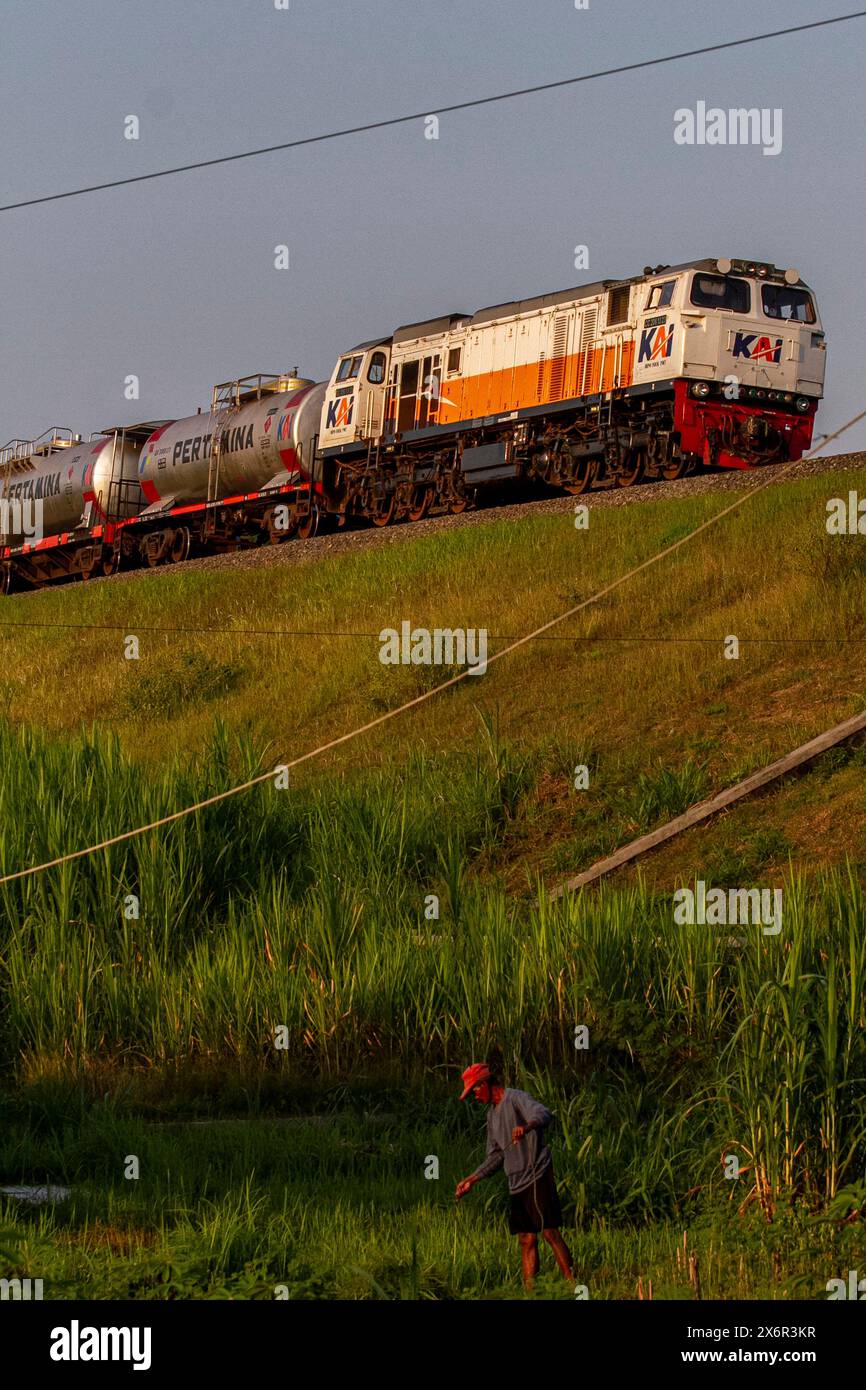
(174, 281)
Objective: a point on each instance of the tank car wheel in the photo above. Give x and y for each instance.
(181, 545)
(419, 509)
(584, 476)
(309, 525)
(111, 563)
(632, 470)
(278, 534)
(384, 510)
(7, 581)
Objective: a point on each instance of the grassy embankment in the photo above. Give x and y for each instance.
(306, 908)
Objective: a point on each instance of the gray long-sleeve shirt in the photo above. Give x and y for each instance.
(526, 1160)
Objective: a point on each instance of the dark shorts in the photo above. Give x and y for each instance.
(537, 1207)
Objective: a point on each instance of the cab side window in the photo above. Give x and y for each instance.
(376, 370)
(661, 295)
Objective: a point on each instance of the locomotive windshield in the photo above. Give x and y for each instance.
(349, 367)
(721, 292)
(783, 302)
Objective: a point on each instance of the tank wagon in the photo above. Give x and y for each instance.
(60, 500)
(711, 364)
(162, 490)
(249, 469)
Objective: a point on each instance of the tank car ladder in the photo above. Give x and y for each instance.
(224, 401)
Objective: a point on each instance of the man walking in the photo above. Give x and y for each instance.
(515, 1139)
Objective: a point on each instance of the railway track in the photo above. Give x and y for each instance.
(338, 542)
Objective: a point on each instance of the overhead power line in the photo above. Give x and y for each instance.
(589, 639)
(437, 110)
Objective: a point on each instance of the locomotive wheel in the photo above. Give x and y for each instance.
(384, 508)
(457, 505)
(7, 580)
(110, 563)
(632, 470)
(420, 508)
(153, 558)
(584, 476)
(309, 525)
(677, 468)
(181, 545)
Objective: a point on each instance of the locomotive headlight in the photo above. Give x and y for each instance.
(701, 388)
(788, 398)
(802, 403)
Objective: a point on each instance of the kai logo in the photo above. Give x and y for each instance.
(757, 349)
(340, 412)
(656, 344)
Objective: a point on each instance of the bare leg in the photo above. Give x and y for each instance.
(561, 1252)
(528, 1257)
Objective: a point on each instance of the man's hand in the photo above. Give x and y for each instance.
(463, 1187)
(518, 1132)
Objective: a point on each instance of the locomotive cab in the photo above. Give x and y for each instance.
(744, 327)
(742, 345)
(355, 398)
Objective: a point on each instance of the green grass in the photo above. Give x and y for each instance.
(337, 1206)
(755, 575)
(307, 910)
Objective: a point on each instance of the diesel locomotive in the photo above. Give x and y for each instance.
(715, 363)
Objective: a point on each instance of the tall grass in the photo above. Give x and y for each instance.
(336, 1205)
(308, 911)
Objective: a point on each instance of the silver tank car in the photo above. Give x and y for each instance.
(66, 487)
(269, 441)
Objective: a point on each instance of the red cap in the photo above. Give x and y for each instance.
(478, 1072)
